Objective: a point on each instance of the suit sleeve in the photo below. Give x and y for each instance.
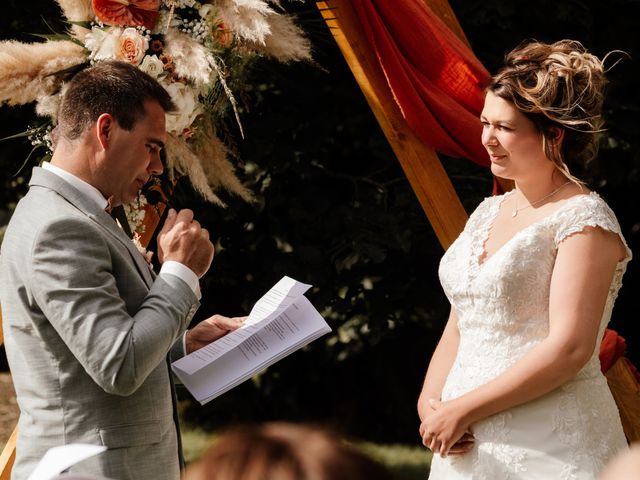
(75, 287)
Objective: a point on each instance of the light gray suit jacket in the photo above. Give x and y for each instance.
(87, 329)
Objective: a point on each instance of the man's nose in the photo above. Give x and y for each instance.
(155, 165)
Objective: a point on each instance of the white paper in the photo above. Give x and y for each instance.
(275, 301)
(285, 332)
(58, 459)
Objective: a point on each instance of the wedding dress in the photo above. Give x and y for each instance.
(503, 311)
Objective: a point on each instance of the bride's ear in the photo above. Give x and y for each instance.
(555, 135)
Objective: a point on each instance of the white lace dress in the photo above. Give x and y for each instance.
(503, 312)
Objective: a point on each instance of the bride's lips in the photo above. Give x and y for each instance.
(496, 158)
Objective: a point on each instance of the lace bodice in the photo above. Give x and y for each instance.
(502, 307)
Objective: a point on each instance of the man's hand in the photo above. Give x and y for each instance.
(210, 330)
(183, 240)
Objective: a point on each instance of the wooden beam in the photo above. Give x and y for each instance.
(626, 392)
(8, 456)
(420, 163)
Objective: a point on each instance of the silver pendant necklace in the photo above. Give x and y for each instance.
(533, 204)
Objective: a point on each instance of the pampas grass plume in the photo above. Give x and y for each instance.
(26, 68)
(286, 43)
(247, 18)
(77, 11)
(191, 59)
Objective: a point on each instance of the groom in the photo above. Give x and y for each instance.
(88, 326)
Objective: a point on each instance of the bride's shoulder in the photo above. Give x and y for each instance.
(588, 203)
(581, 211)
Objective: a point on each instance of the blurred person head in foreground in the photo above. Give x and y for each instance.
(283, 451)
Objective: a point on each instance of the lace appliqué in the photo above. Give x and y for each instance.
(497, 458)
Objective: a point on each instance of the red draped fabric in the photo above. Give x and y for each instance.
(612, 348)
(435, 79)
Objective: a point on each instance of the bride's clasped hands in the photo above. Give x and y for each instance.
(446, 429)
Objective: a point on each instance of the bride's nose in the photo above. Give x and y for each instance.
(488, 136)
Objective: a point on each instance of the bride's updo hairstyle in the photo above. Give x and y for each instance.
(556, 85)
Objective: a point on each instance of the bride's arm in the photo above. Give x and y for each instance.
(583, 271)
(439, 367)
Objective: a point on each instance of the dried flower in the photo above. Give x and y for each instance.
(156, 46)
(127, 12)
(176, 41)
(223, 35)
(147, 254)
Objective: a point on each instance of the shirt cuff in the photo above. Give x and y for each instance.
(184, 273)
(184, 342)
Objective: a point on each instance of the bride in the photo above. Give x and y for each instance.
(514, 388)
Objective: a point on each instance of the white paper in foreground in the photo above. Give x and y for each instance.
(275, 301)
(58, 459)
(280, 334)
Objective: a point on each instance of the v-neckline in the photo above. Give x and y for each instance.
(482, 259)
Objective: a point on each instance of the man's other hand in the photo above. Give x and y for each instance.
(210, 330)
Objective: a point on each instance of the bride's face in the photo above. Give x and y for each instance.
(512, 140)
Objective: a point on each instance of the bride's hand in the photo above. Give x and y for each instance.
(445, 430)
(464, 445)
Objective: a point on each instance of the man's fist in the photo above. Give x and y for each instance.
(183, 240)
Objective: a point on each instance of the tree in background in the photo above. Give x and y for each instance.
(334, 209)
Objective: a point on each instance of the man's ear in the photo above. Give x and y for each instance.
(104, 129)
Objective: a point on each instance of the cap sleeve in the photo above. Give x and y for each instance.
(587, 211)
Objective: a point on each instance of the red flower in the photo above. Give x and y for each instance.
(127, 12)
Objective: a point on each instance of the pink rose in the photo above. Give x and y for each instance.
(131, 46)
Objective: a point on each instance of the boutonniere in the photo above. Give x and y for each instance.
(147, 254)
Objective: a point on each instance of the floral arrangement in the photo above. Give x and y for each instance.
(191, 47)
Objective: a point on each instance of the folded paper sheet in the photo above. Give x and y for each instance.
(281, 322)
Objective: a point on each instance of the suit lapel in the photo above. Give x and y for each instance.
(52, 181)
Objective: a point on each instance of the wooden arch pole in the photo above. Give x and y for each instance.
(420, 163)
(8, 455)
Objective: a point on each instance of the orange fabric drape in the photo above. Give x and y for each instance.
(436, 80)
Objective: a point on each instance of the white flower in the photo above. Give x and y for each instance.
(188, 107)
(103, 43)
(94, 39)
(131, 46)
(152, 65)
(207, 11)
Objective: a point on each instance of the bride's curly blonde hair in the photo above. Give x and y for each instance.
(557, 85)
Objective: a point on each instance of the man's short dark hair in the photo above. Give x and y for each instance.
(113, 87)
